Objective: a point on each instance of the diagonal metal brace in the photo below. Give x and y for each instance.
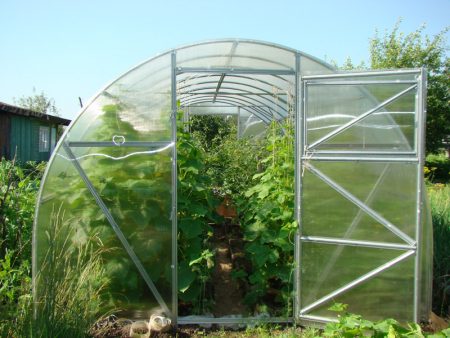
(375, 215)
(360, 117)
(357, 281)
(118, 232)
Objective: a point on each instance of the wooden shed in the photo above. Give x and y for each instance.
(26, 134)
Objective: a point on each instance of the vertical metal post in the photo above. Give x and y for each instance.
(298, 148)
(174, 191)
(420, 131)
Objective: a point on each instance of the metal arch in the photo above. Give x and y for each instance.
(271, 103)
(230, 99)
(238, 76)
(250, 108)
(239, 102)
(228, 94)
(264, 92)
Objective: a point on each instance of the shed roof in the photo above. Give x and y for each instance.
(8, 108)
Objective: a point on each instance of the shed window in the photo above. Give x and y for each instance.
(44, 139)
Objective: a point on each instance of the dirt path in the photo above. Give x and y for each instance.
(227, 293)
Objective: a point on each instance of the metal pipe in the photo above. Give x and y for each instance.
(227, 71)
(300, 142)
(421, 112)
(297, 157)
(319, 319)
(360, 117)
(244, 320)
(357, 282)
(365, 152)
(174, 191)
(360, 159)
(104, 144)
(350, 242)
(363, 74)
(358, 83)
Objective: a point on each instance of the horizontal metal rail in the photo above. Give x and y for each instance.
(181, 70)
(319, 319)
(359, 243)
(231, 320)
(361, 159)
(104, 144)
(357, 282)
(362, 152)
(356, 83)
(363, 74)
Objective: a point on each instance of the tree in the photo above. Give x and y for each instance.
(396, 49)
(413, 50)
(39, 103)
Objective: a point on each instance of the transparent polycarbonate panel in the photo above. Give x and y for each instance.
(383, 187)
(389, 294)
(327, 267)
(391, 129)
(279, 58)
(311, 66)
(328, 213)
(137, 194)
(388, 128)
(251, 126)
(235, 54)
(136, 107)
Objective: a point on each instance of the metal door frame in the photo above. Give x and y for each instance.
(175, 70)
(306, 154)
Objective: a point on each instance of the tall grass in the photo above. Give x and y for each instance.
(439, 195)
(69, 288)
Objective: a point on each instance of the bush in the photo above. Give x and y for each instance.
(437, 168)
(18, 190)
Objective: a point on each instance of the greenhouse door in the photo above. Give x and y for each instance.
(360, 141)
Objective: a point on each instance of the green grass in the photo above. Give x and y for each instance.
(439, 195)
(70, 285)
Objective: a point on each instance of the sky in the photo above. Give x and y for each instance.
(73, 48)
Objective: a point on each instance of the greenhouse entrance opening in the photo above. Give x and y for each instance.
(330, 205)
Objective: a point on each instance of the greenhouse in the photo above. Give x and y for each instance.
(344, 219)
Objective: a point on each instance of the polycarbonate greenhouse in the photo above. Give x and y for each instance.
(364, 235)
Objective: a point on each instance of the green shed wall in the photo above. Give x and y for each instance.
(25, 139)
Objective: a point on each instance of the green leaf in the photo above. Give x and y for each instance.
(338, 307)
(191, 228)
(185, 277)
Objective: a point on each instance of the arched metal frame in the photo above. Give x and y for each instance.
(264, 92)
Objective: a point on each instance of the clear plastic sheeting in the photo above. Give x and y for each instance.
(364, 226)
